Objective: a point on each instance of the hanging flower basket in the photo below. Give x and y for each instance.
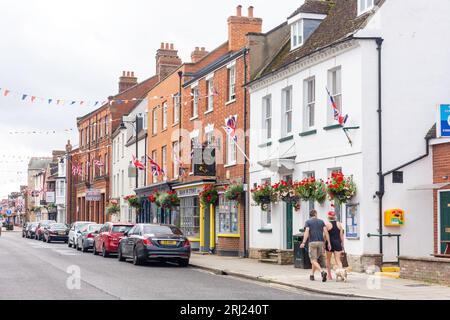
(264, 195)
(112, 209)
(209, 195)
(234, 192)
(168, 200)
(321, 191)
(285, 192)
(340, 188)
(133, 201)
(306, 189)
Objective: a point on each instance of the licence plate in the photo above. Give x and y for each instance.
(168, 243)
(62, 233)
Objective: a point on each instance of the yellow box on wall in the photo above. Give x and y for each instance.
(394, 218)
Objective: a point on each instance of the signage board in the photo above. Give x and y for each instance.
(93, 195)
(443, 123)
(8, 212)
(352, 222)
(50, 197)
(205, 162)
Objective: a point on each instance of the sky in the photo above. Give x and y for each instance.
(76, 50)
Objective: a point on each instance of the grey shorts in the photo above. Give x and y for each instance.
(315, 250)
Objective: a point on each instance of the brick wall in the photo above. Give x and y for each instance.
(426, 269)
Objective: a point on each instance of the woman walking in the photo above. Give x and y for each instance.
(336, 232)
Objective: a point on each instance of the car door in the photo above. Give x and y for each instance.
(129, 241)
(98, 238)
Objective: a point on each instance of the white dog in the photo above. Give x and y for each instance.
(341, 274)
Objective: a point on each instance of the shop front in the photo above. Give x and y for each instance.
(150, 212)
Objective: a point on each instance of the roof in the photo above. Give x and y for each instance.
(432, 133)
(38, 163)
(341, 23)
(313, 6)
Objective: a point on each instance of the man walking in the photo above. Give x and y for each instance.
(316, 232)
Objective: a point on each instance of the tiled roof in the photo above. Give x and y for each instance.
(313, 6)
(38, 163)
(341, 22)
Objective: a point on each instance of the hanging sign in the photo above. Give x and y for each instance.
(443, 122)
(93, 195)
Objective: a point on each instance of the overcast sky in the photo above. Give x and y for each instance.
(76, 50)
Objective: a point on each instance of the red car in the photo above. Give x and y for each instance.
(108, 237)
(39, 233)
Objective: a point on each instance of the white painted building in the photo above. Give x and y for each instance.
(60, 191)
(124, 148)
(294, 133)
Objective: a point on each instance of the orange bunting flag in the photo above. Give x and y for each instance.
(32, 99)
(6, 92)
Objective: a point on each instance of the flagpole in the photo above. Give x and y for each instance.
(237, 146)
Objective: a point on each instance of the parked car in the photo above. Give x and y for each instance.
(31, 230)
(39, 233)
(75, 232)
(149, 242)
(86, 239)
(56, 232)
(107, 240)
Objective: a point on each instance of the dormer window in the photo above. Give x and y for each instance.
(365, 5)
(303, 26)
(297, 34)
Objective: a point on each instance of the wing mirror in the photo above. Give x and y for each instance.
(125, 234)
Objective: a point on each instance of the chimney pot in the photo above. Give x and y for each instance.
(162, 45)
(123, 73)
(171, 46)
(239, 11)
(250, 11)
(167, 46)
(132, 73)
(203, 49)
(197, 49)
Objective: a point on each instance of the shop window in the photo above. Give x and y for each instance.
(228, 216)
(190, 217)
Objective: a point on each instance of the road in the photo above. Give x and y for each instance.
(33, 269)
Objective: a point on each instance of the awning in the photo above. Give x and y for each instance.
(435, 186)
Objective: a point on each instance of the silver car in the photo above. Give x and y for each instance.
(75, 232)
(86, 240)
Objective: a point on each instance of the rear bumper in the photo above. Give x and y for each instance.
(58, 238)
(155, 253)
(88, 243)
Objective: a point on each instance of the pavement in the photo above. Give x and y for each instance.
(358, 285)
(40, 271)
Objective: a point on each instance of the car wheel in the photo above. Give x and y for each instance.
(119, 255)
(105, 253)
(94, 251)
(137, 261)
(49, 240)
(84, 248)
(69, 244)
(183, 263)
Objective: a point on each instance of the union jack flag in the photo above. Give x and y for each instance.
(156, 169)
(230, 127)
(98, 163)
(337, 114)
(76, 170)
(138, 164)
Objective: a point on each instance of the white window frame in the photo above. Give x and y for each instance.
(231, 151)
(164, 115)
(145, 121)
(287, 111)
(266, 216)
(335, 91)
(231, 82)
(210, 88)
(176, 109)
(164, 161)
(195, 102)
(365, 6)
(267, 118)
(123, 145)
(176, 164)
(155, 121)
(309, 103)
(297, 34)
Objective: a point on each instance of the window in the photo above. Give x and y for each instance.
(176, 155)
(176, 108)
(194, 144)
(145, 121)
(232, 82)
(123, 145)
(335, 88)
(106, 126)
(101, 128)
(190, 217)
(287, 108)
(154, 158)
(364, 6)
(122, 185)
(267, 117)
(297, 34)
(155, 121)
(195, 98)
(337, 206)
(228, 216)
(231, 150)
(164, 116)
(209, 138)
(164, 161)
(309, 93)
(142, 172)
(210, 96)
(106, 164)
(266, 216)
(310, 204)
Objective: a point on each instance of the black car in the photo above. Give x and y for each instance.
(155, 242)
(56, 232)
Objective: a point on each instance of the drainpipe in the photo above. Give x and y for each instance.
(381, 186)
(245, 151)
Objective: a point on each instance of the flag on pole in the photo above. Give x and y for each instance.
(230, 127)
(156, 169)
(337, 114)
(76, 170)
(138, 164)
(181, 169)
(98, 163)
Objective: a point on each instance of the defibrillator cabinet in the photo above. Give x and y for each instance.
(394, 218)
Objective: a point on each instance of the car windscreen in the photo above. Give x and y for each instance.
(58, 226)
(121, 229)
(94, 227)
(81, 226)
(162, 230)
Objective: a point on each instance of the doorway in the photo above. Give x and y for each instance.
(445, 219)
(289, 209)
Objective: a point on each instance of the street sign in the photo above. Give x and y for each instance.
(443, 122)
(93, 195)
(50, 197)
(8, 212)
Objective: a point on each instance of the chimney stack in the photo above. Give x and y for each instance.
(239, 27)
(198, 54)
(167, 60)
(126, 81)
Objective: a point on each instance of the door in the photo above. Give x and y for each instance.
(289, 219)
(206, 229)
(445, 219)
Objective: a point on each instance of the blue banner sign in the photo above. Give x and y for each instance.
(444, 120)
